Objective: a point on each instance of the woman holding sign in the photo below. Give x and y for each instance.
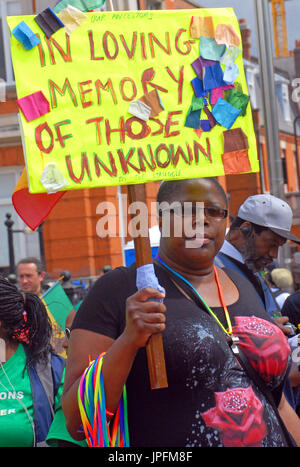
(209, 318)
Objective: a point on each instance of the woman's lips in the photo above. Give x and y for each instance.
(197, 241)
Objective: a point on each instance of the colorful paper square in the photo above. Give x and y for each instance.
(213, 77)
(34, 105)
(210, 117)
(205, 125)
(225, 113)
(235, 140)
(210, 50)
(82, 5)
(48, 22)
(239, 100)
(25, 35)
(230, 55)
(225, 34)
(199, 90)
(193, 120)
(201, 26)
(197, 103)
(236, 162)
(72, 18)
(140, 110)
(152, 99)
(200, 63)
(216, 93)
(231, 73)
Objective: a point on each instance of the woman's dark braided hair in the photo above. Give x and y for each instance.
(24, 318)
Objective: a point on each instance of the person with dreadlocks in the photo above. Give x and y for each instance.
(30, 373)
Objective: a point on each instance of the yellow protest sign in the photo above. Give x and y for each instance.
(133, 97)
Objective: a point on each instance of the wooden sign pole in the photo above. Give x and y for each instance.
(154, 348)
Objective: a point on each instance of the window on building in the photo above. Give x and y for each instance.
(7, 8)
(26, 243)
(153, 5)
(13, 8)
(286, 103)
(284, 170)
(296, 171)
(282, 91)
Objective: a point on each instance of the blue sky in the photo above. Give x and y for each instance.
(245, 9)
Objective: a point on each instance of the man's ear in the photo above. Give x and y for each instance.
(42, 275)
(246, 229)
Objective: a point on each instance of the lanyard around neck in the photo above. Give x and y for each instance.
(227, 331)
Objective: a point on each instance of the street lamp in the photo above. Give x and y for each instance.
(9, 223)
(10, 233)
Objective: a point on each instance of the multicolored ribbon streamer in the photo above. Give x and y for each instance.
(91, 400)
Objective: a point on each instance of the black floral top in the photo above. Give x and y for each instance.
(210, 401)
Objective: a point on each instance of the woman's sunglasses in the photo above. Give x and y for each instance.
(209, 211)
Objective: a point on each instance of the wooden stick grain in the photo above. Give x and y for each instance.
(154, 348)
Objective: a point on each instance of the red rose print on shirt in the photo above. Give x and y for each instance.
(238, 416)
(264, 344)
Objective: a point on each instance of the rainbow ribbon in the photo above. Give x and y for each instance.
(91, 400)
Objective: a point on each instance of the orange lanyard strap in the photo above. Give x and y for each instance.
(221, 296)
(227, 331)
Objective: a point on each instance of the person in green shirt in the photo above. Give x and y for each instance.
(31, 374)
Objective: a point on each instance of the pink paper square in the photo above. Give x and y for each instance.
(218, 92)
(34, 105)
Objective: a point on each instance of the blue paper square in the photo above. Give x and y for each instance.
(213, 77)
(197, 85)
(225, 113)
(210, 50)
(205, 125)
(25, 35)
(193, 120)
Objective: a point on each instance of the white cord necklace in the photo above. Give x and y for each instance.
(20, 402)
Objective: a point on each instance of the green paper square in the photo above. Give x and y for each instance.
(197, 104)
(238, 100)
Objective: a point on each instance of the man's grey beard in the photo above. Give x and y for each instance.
(248, 254)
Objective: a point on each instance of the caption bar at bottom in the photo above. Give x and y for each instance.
(150, 457)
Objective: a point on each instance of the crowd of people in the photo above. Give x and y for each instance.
(228, 317)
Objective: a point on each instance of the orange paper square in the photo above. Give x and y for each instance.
(236, 162)
(202, 26)
(225, 34)
(152, 100)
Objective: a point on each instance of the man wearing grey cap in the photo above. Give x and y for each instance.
(262, 225)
